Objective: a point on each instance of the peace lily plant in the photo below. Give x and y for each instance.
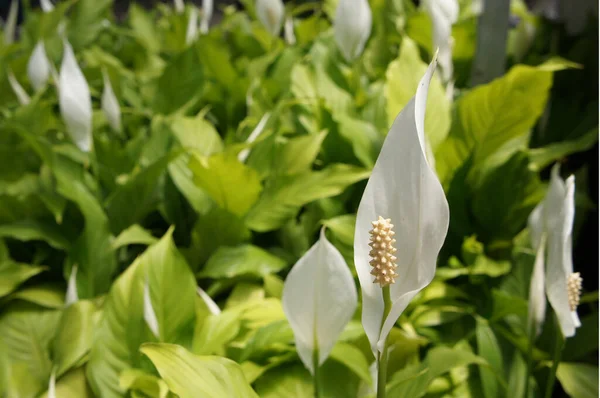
(319, 298)
(352, 27)
(270, 13)
(550, 227)
(443, 14)
(401, 224)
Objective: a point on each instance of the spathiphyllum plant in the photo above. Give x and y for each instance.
(270, 13)
(319, 298)
(401, 225)
(352, 27)
(38, 67)
(110, 104)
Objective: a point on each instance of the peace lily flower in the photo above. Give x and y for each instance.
(443, 14)
(71, 296)
(270, 14)
(46, 5)
(38, 67)
(551, 227)
(179, 6)
(207, 11)
(110, 104)
(288, 31)
(149, 313)
(352, 27)
(210, 304)
(401, 224)
(74, 100)
(319, 298)
(192, 27)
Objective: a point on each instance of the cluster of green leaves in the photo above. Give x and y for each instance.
(180, 199)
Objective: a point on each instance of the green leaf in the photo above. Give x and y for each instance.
(25, 335)
(229, 262)
(134, 235)
(579, 380)
(402, 79)
(191, 376)
(122, 329)
(486, 118)
(12, 274)
(353, 359)
(542, 157)
(180, 81)
(85, 22)
(72, 385)
(131, 202)
(45, 295)
(297, 155)
(285, 381)
(215, 331)
(363, 136)
(27, 230)
(74, 335)
(343, 228)
(231, 184)
(148, 384)
(284, 196)
(144, 28)
(488, 348)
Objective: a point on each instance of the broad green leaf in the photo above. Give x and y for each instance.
(131, 202)
(342, 227)
(353, 359)
(284, 196)
(180, 81)
(122, 329)
(585, 341)
(72, 385)
(365, 139)
(73, 336)
(137, 380)
(25, 335)
(215, 331)
(231, 184)
(297, 155)
(191, 376)
(268, 340)
(196, 133)
(45, 295)
(134, 235)
(579, 380)
(489, 349)
(402, 78)
(85, 21)
(244, 260)
(486, 118)
(144, 28)
(214, 229)
(27, 230)
(544, 156)
(285, 381)
(12, 274)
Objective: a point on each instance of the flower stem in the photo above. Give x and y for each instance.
(316, 373)
(383, 356)
(529, 361)
(558, 346)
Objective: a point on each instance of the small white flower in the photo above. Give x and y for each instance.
(207, 11)
(288, 31)
(319, 299)
(179, 6)
(352, 27)
(401, 223)
(71, 296)
(46, 5)
(110, 104)
(19, 91)
(551, 227)
(270, 14)
(192, 26)
(75, 101)
(38, 67)
(149, 314)
(443, 14)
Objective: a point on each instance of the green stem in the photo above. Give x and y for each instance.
(529, 361)
(383, 356)
(316, 373)
(558, 346)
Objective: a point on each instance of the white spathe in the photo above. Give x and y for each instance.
(46, 5)
(551, 227)
(38, 67)
(319, 299)
(352, 27)
(443, 14)
(74, 100)
(71, 296)
(192, 26)
(270, 14)
(149, 313)
(179, 6)
(404, 188)
(207, 11)
(110, 104)
(210, 303)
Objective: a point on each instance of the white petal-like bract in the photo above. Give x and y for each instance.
(71, 296)
(46, 5)
(179, 6)
(443, 14)
(352, 27)
(52, 385)
(288, 31)
(270, 14)
(110, 104)
(319, 299)
(207, 11)
(403, 188)
(38, 67)
(192, 26)
(244, 153)
(75, 101)
(210, 304)
(10, 25)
